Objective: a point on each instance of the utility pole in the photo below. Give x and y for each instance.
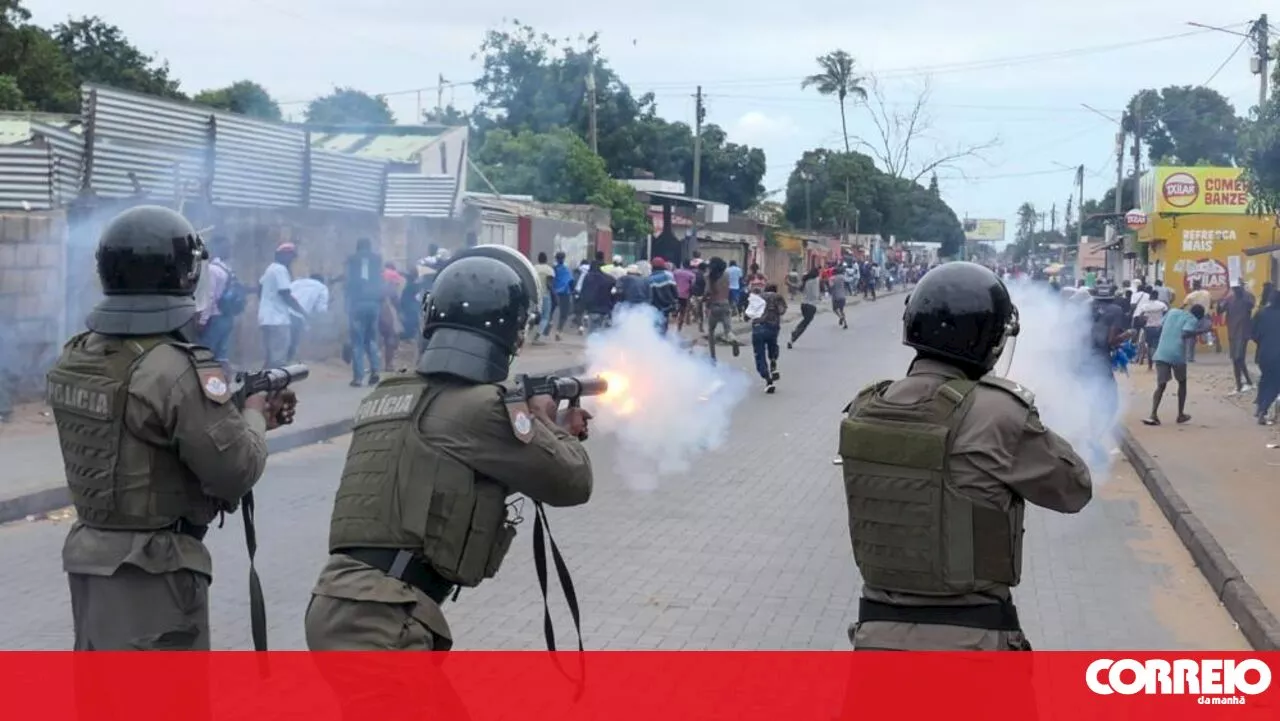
(591, 102)
(1120, 145)
(440, 97)
(700, 112)
(1080, 210)
(1261, 36)
(1137, 151)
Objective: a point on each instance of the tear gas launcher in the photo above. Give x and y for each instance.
(561, 388)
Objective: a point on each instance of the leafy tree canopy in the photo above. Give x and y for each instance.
(244, 97)
(11, 97)
(534, 82)
(348, 106)
(1188, 125)
(847, 190)
(558, 167)
(98, 52)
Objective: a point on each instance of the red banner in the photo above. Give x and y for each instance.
(742, 686)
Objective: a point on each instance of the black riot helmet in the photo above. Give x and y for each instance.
(960, 312)
(149, 260)
(474, 320)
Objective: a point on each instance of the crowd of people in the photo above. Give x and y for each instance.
(383, 303)
(1164, 333)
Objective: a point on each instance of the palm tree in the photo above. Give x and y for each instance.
(838, 78)
(1027, 217)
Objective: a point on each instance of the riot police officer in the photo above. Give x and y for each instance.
(938, 468)
(422, 506)
(153, 447)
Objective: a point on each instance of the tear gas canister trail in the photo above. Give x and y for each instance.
(664, 405)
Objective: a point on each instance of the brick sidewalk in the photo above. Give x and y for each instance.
(1220, 465)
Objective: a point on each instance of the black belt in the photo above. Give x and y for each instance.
(404, 566)
(1001, 616)
(187, 528)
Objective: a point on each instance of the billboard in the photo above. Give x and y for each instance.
(986, 231)
(1201, 190)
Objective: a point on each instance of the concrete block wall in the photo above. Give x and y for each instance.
(32, 298)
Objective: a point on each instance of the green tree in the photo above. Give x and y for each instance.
(838, 78)
(1028, 218)
(35, 62)
(847, 190)
(1260, 144)
(100, 53)
(558, 167)
(534, 82)
(1188, 125)
(448, 115)
(348, 106)
(244, 97)
(11, 97)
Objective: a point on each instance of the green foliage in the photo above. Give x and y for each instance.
(98, 52)
(534, 82)
(448, 115)
(1187, 124)
(35, 62)
(244, 97)
(846, 190)
(348, 106)
(558, 167)
(839, 78)
(1261, 151)
(11, 97)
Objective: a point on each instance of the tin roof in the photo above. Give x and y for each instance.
(399, 144)
(16, 127)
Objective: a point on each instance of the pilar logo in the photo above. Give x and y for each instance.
(1213, 681)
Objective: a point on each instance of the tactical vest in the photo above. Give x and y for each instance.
(399, 492)
(912, 531)
(117, 482)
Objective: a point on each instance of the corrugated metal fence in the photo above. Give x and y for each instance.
(429, 196)
(179, 149)
(25, 177)
(136, 144)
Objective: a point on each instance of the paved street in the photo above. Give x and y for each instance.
(749, 551)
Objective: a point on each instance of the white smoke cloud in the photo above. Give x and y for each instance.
(1052, 357)
(664, 405)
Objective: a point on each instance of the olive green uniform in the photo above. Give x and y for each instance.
(154, 451)
(423, 498)
(938, 470)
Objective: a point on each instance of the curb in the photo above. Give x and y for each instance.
(1257, 623)
(51, 499)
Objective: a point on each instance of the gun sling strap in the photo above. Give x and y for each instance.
(541, 528)
(257, 604)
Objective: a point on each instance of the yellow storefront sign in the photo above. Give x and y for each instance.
(1210, 249)
(1200, 190)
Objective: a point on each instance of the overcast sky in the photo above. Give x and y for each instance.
(1007, 69)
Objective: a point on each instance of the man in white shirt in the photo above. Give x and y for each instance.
(1152, 310)
(275, 300)
(313, 295)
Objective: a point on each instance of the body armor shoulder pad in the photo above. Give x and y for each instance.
(1024, 396)
(866, 392)
(75, 340)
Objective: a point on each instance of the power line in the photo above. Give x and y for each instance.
(987, 64)
(1230, 57)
